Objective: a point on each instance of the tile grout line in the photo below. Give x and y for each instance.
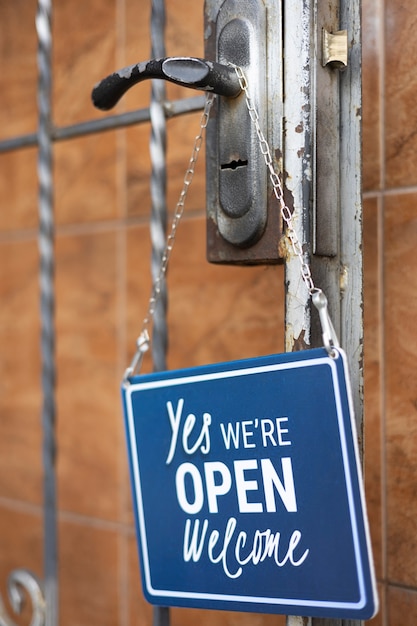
(89, 228)
(394, 191)
(22, 506)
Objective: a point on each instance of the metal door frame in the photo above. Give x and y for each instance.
(316, 97)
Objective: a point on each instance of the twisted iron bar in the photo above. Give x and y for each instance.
(22, 582)
(47, 305)
(158, 223)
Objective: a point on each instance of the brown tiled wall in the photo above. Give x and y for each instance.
(102, 284)
(390, 238)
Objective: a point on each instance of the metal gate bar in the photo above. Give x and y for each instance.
(158, 186)
(158, 225)
(47, 299)
(172, 108)
(160, 109)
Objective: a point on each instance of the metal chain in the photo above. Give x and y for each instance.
(276, 184)
(319, 299)
(143, 341)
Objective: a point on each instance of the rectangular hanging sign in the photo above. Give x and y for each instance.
(247, 487)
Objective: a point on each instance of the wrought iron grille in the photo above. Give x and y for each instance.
(45, 594)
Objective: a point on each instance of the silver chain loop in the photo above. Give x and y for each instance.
(276, 185)
(319, 299)
(143, 341)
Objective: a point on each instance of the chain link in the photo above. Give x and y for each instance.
(276, 185)
(143, 340)
(319, 299)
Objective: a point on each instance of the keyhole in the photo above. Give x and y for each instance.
(233, 165)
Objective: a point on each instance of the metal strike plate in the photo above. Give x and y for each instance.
(335, 49)
(241, 226)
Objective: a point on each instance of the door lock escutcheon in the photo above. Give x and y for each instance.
(240, 226)
(243, 225)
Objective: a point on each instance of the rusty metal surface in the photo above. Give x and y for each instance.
(298, 162)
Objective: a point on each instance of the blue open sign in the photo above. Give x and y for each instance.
(247, 487)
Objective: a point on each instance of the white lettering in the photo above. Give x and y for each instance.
(243, 486)
(189, 507)
(175, 426)
(267, 428)
(203, 436)
(193, 549)
(281, 431)
(271, 479)
(218, 482)
(246, 434)
(266, 545)
(230, 436)
(222, 556)
(220, 489)
(227, 548)
(202, 441)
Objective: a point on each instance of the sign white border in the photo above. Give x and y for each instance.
(189, 379)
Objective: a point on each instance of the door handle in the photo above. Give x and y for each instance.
(243, 225)
(187, 71)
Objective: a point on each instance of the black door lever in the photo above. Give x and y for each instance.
(187, 71)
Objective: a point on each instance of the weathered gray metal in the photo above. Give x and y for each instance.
(22, 583)
(158, 223)
(322, 172)
(243, 225)
(47, 298)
